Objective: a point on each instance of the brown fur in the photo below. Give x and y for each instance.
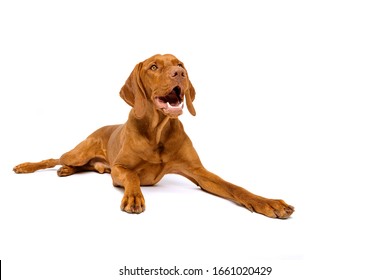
(152, 143)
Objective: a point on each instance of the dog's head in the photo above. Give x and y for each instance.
(160, 81)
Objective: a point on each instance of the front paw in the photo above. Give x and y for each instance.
(273, 208)
(133, 203)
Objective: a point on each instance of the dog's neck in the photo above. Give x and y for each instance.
(158, 125)
(151, 125)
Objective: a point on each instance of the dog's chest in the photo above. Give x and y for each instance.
(159, 154)
(156, 163)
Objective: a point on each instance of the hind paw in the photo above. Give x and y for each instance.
(66, 171)
(26, 167)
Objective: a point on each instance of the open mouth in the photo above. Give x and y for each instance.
(172, 103)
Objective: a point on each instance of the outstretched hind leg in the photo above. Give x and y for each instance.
(86, 156)
(29, 167)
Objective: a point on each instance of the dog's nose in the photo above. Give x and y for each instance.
(177, 73)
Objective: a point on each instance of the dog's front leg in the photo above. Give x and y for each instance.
(133, 201)
(274, 208)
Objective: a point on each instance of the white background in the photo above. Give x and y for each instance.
(292, 102)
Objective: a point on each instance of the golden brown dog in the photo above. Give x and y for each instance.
(152, 142)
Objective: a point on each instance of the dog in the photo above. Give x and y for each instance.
(153, 143)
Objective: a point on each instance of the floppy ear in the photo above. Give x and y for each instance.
(190, 96)
(133, 92)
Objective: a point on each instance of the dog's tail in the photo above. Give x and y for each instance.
(30, 167)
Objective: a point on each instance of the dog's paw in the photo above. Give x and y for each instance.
(19, 169)
(273, 208)
(133, 203)
(65, 170)
(26, 167)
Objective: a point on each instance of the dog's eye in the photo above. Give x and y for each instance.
(153, 67)
(180, 65)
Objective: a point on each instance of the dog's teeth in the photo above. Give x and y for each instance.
(175, 107)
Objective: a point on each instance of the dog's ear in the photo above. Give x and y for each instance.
(133, 92)
(190, 96)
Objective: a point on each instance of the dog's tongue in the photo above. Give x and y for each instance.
(172, 98)
(171, 103)
(174, 105)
